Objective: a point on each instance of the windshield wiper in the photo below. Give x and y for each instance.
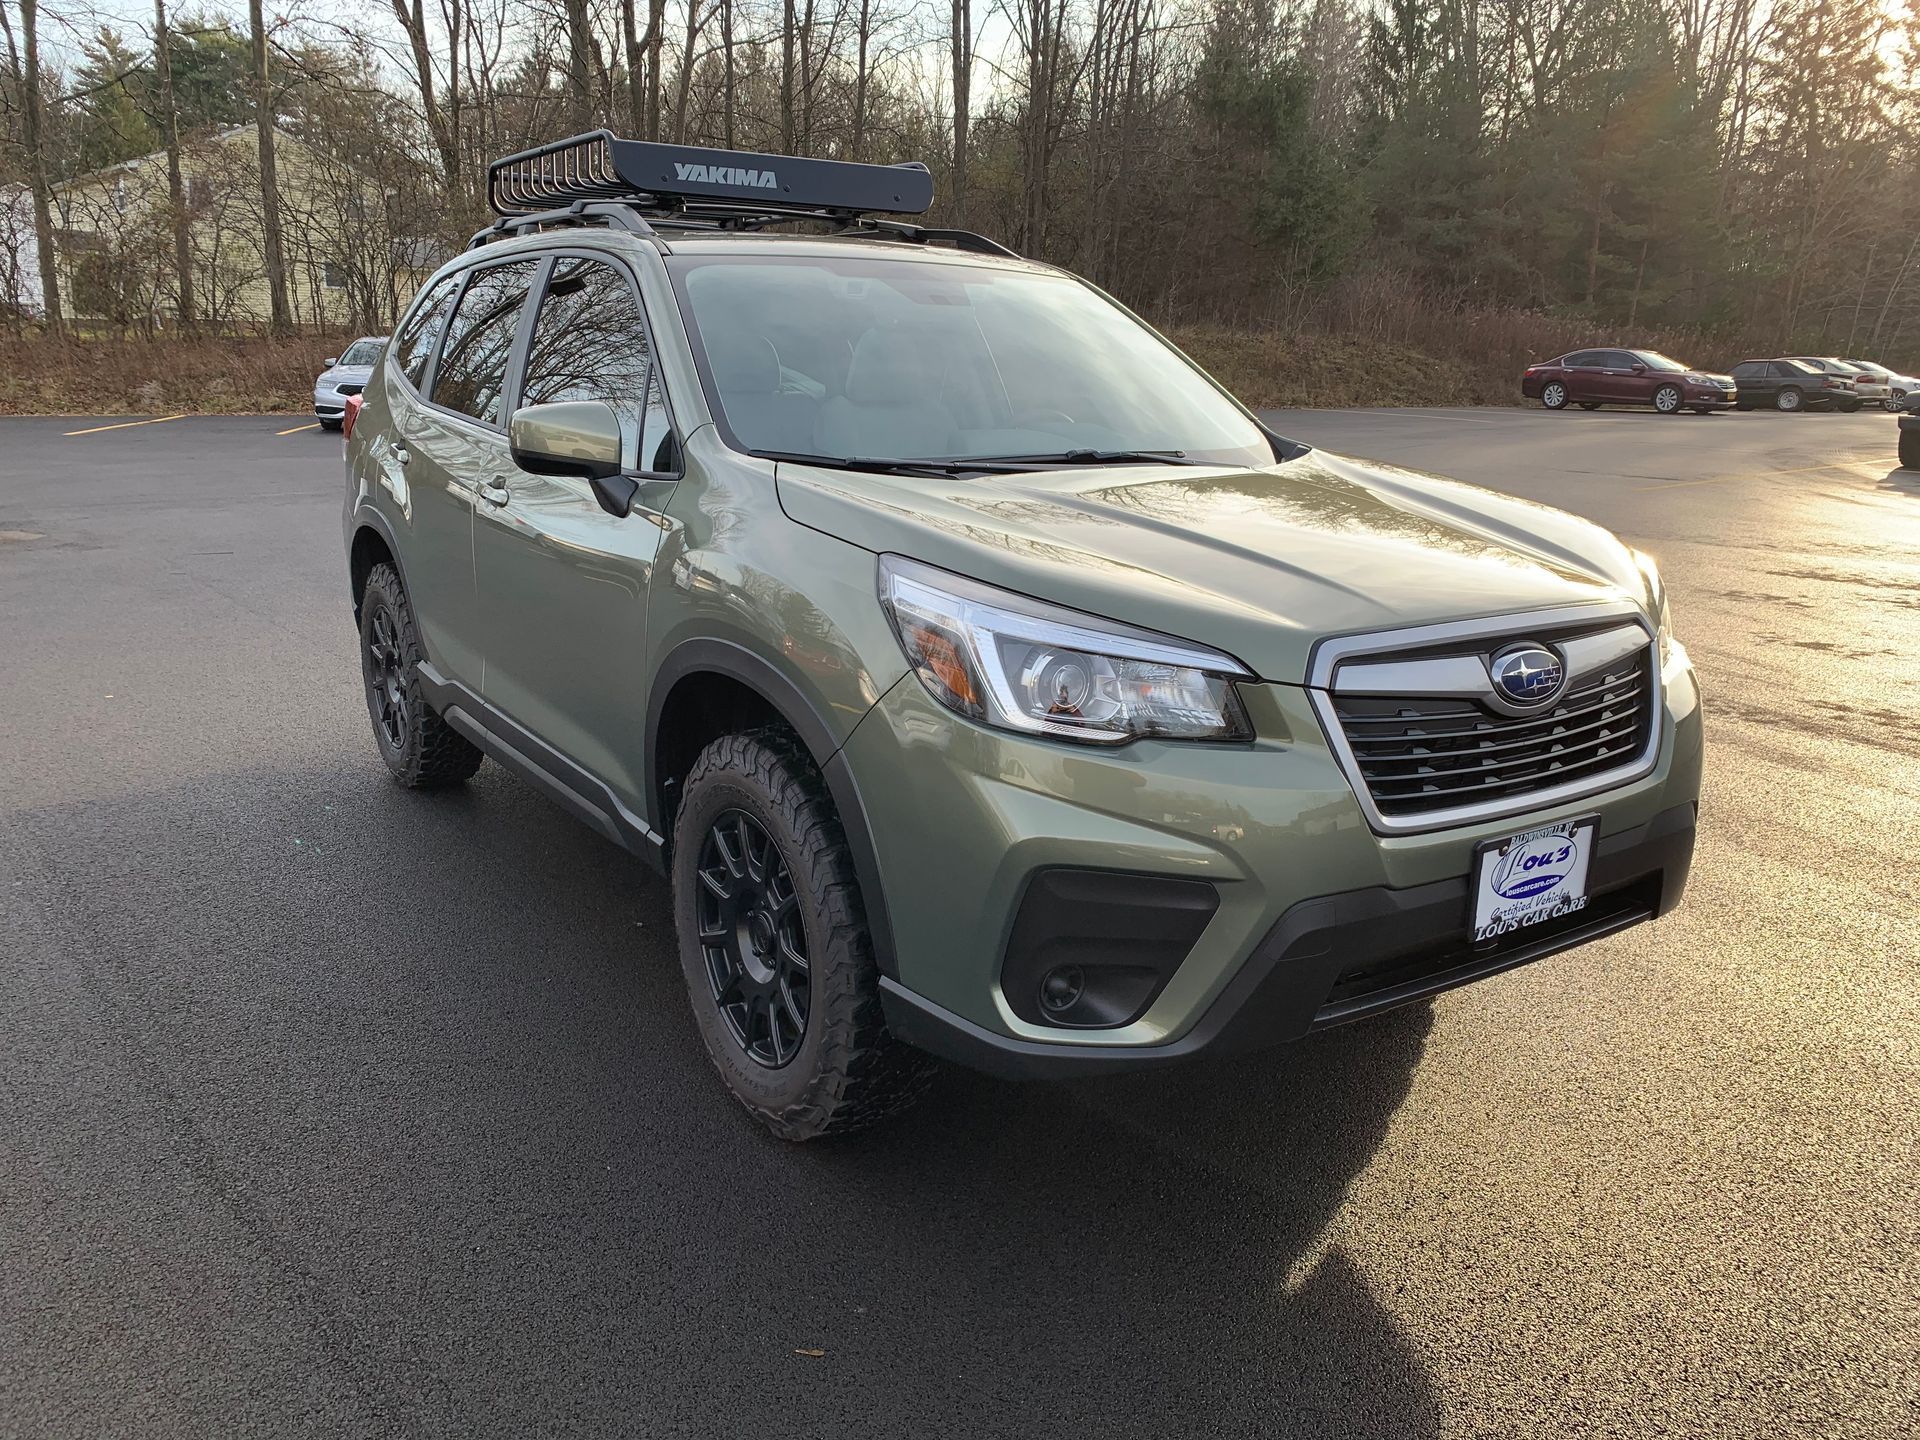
(869, 464)
(1101, 457)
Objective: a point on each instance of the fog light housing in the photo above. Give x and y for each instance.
(1090, 949)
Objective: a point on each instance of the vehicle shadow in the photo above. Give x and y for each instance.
(428, 1059)
(1906, 481)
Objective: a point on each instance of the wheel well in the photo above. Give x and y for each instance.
(699, 709)
(369, 549)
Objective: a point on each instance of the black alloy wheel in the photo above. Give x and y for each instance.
(387, 677)
(752, 939)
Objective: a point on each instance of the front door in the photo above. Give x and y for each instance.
(1618, 382)
(562, 583)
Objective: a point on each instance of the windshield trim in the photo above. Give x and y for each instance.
(677, 267)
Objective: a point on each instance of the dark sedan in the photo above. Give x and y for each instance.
(1592, 378)
(1792, 385)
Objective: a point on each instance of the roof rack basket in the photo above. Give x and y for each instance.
(639, 185)
(601, 166)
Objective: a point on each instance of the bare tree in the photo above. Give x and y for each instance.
(33, 126)
(272, 251)
(176, 188)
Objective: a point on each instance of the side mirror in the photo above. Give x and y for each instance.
(329, 362)
(580, 438)
(1639, 369)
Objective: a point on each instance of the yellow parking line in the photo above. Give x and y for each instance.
(298, 428)
(129, 424)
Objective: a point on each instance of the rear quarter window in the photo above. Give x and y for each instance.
(413, 342)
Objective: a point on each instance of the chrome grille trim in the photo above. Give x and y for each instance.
(1592, 658)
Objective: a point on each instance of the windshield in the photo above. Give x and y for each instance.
(860, 356)
(1656, 361)
(361, 352)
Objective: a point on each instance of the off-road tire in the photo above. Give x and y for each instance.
(1669, 399)
(848, 1072)
(1790, 399)
(1553, 395)
(427, 752)
(1910, 449)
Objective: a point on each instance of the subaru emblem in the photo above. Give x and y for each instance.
(1528, 675)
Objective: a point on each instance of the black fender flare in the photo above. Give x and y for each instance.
(714, 655)
(368, 517)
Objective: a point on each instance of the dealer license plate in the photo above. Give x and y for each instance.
(1526, 879)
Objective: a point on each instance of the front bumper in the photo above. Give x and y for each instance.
(1714, 397)
(1337, 958)
(1318, 918)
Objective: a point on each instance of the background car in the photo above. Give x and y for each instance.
(346, 374)
(1592, 378)
(1866, 386)
(1898, 386)
(1790, 385)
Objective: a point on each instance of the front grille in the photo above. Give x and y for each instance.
(351, 388)
(1419, 755)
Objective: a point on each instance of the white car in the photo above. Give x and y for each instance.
(346, 374)
(1898, 386)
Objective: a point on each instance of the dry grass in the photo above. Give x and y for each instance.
(1272, 369)
(254, 376)
(159, 377)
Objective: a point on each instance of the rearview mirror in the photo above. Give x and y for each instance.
(580, 438)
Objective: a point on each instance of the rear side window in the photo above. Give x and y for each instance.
(1583, 358)
(472, 374)
(589, 343)
(414, 342)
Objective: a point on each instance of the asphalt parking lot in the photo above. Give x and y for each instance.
(331, 1109)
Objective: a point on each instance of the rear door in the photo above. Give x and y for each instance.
(453, 444)
(1750, 377)
(563, 584)
(1583, 375)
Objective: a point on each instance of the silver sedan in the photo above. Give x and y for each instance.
(346, 374)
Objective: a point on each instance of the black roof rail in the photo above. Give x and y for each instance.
(644, 187)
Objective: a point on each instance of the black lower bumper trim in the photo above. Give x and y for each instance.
(1338, 958)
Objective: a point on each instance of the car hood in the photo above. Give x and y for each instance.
(347, 373)
(1261, 563)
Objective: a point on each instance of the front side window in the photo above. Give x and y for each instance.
(1654, 360)
(414, 342)
(874, 357)
(589, 343)
(472, 374)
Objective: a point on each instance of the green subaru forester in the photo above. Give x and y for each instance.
(988, 682)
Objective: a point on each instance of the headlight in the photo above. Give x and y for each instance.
(1657, 605)
(1022, 664)
(1699, 380)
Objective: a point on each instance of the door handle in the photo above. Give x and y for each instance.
(494, 492)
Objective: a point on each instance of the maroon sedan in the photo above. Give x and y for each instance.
(1592, 378)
